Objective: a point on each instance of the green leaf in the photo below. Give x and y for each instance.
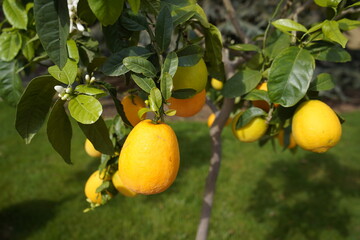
(114, 64)
(183, 93)
(166, 85)
(190, 55)
(85, 109)
(201, 16)
(107, 11)
(348, 24)
(73, 50)
(290, 76)
(315, 27)
(52, 25)
(144, 83)
(98, 134)
(151, 6)
(84, 12)
(331, 30)
(245, 47)
(329, 52)
(327, 3)
(354, 5)
(139, 64)
(15, 13)
(213, 52)
(180, 15)
(134, 5)
(142, 111)
(287, 25)
(89, 90)
(10, 83)
(163, 29)
(67, 75)
(155, 99)
(133, 22)
(322, 82)
(275, 43)
(27, 48)
(170, 64)
(10, 45)
(34, 106)
(257, 94)
(59, 130)
(249, 115)
(170, 112)
(241, 83)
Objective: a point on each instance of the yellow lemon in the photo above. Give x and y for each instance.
(217, 84)
(252, 131)
(193, 77)
(90, 150)
(118, 184)
(315, 126)
(149, 160)
(91, 185)
(211, 120)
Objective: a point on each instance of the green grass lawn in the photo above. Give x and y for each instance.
(261, 194)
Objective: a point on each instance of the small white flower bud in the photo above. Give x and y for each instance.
(65, 97)
(92, 79)
(59, 88)
(87, 78)
(68, 90)
(80, 27)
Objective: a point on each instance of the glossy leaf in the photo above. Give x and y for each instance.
(322, 82)
(144, 83)
(114, 64)
(329, 53)
(163, 29)
(10, 83)
(257, 94)
(59, 130)
(183, 93)
(327, 3)
(73, 50)
(34, 106)
(85, 109)
(10, 45)
(107, 11)
(89, 90)
(166, 85)
(249, 115)
(190, 55)
(331, 30)
(27, 48)
(15, 13)
(134, 5)
(275, 43)
(98, 134)
(140, 65)
(67, 75)
(133, 22)
(142, 111)
(170, 64)
(348, 24)
(180, 15)
(241, 83)
(245, 47)
(201, 16)
(290, 76)
(52, 25)
(155, 99)
(287, 25)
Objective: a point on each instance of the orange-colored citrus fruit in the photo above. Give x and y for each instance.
(315, 126)
(90, 150)
(261, 103)
(132, 104)
(291, 140)
(149, 160)
(118, 184)
(190, 106)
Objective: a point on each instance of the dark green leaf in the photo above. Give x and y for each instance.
(163, 29)
(170, 64)
(287, 25)
(354, 5)
(329, 52)
(89, 90)
(190, 55)
(245, 47)
(155, 99)
(331, 31)
(59, 130)
(107, 11)
(322, 82)
(151, 6)
(133, 22)
(84, 12)
(10, 45)
(183, 93)
(275, 43)
(15, 13)
(166, 85)
(134, 5)
(327, 3)
(98, 134)
(96, 64)
(257, 94)
(290, 76)
(10, 83)
(139, 64)
(347, 24)
(34, 106)
(181, 15)
(114, 64)
(241, 83)
(144, 83)
(85, 109)
(52, 25)
(213, 52)
(249, 115)
(67, 75)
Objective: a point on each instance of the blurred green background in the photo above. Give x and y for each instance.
(261, 193)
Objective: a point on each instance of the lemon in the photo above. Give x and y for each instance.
(252, 131)
(132, 104)
(190, 106)
(90, 150)
(216, 84)
(118, 184)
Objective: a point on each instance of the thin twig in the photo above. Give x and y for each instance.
(299, 10)
(211, 105)
(347, 11)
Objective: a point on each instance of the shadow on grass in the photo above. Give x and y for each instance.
(303, 197)
(21, 220)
